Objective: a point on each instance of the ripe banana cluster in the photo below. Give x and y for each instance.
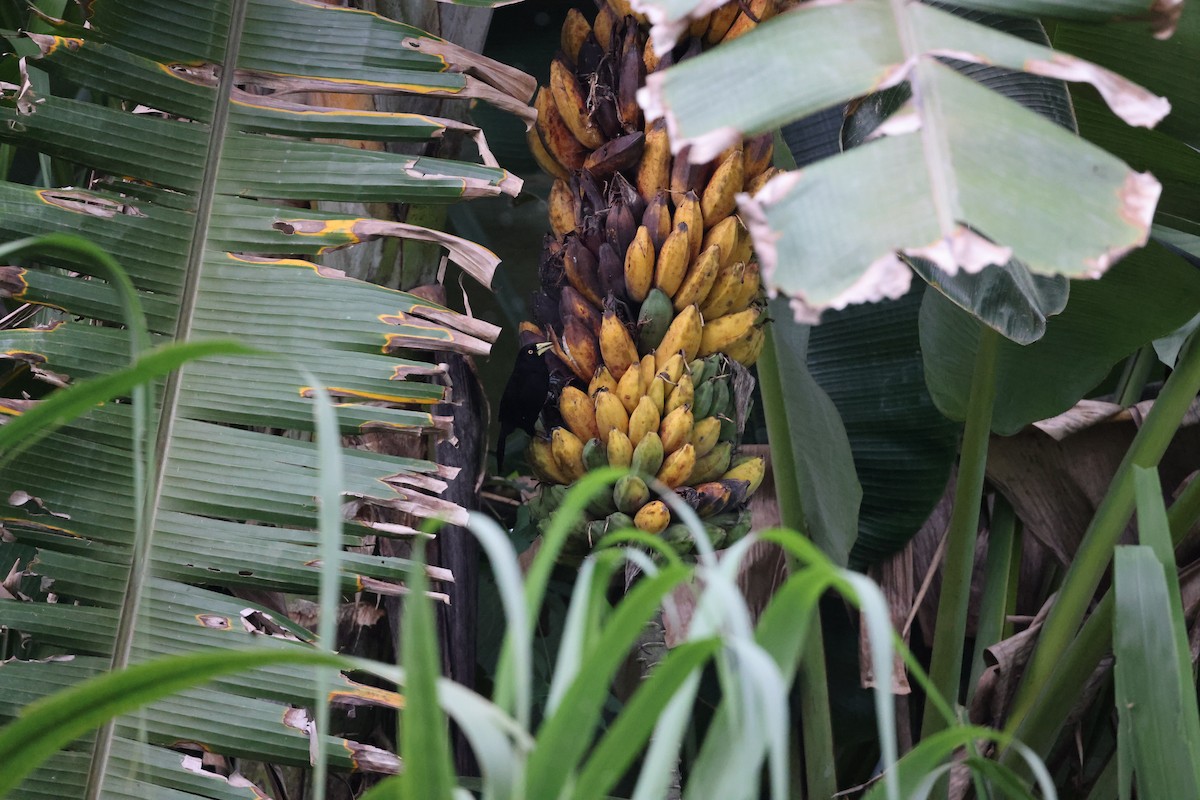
(650, 293)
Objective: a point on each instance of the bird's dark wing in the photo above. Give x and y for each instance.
(523, 398)
(505, 431)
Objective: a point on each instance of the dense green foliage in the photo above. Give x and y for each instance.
(150, 498)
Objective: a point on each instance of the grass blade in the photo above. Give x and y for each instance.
(329, 523)
(622, 743)
(560, 745)
(424, 742)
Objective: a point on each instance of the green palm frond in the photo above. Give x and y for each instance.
(202, 180)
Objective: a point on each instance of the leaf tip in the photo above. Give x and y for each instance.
(1138, 197)
(1132, 103)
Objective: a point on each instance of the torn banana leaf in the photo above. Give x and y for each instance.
(944, 179)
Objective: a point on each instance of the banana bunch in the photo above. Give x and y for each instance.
(650, 294)
(674, 425)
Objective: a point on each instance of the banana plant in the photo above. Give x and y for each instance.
(146, 520)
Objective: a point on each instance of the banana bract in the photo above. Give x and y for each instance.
(650, 293)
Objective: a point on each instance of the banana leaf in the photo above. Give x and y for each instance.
(941, 180)
(203, 159)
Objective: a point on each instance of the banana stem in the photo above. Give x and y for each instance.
(812, 685)
(1096, 550)
(994, 605)
(783, 462)
(946, 667)
(1133, 379)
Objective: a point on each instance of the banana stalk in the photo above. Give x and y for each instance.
(650, 293)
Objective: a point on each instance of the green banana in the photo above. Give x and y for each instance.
(653, 320)
(648, 455)
(702, 400)
(630, 494)
(721, 402)
(594, 455)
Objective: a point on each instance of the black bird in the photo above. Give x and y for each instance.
(524, 395)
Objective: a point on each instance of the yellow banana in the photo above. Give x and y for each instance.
(572, 303)
(602, 379)
(684, 336)
(644, 419)
(568, 453)
(719, 199)
(712, 465)
(671, 266)
(757, 11)
(604, 24)
(575, 31)
(540, 455)
(560, 141)
(650, 57)
(654, 170)
(724, 292)
(688, 212)
(705, 435)
(610, 415)
(672, 370)
(582, 271)
(676, 429)
(686, 176)
(572, 104)
(682, 395)
(757, 153)
(580, 345)
(654, 517)
(744, 250)
(657, 219)
(658, 393)
(700, 278)
(616, 345)
(620, 449)
(629, 388)
(760, 180)
(720, 21)
(562, 208)
(750, 469)
(578, 412)
(560, 351)
(720, 333)
(622, 9)
(542, 156)
(649, 370)
(748, 289)
(725, 235)
(639, 264)
(746, 351)
(677, 466)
